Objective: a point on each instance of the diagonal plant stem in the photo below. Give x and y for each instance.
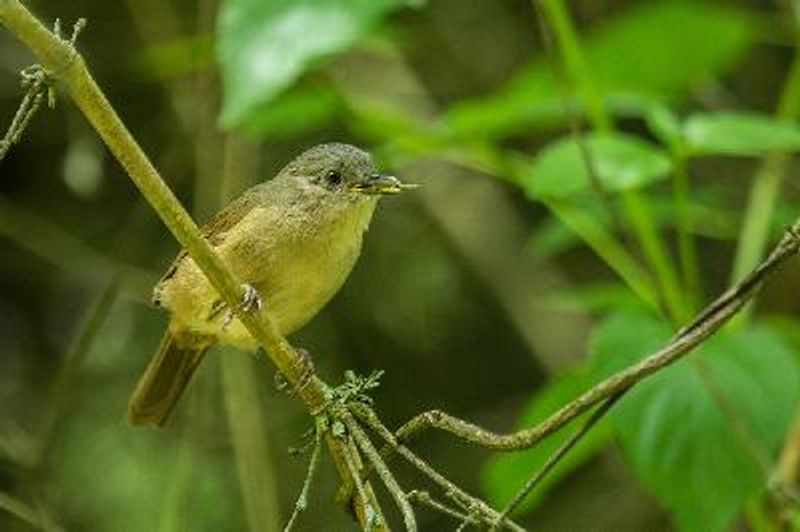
(474, 505)
(634, 203)
(423, 498)
(34, 96)
(687, 247)
(62, 61)
(705, 324)
(383, 472)
(554, 459)
(313, 464)
(767, 183)
(575, 125)
(372, 520)
(607, 248)
(557, 16)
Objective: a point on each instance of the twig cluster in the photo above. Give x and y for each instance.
(38, 84)
(348, 412)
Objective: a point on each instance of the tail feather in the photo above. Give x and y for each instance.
(166, 378)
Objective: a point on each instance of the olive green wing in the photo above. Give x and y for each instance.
(218, 225)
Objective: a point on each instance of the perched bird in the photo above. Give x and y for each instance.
(292, 241)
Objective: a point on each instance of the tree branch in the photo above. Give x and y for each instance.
(704, 325)
(63, 63)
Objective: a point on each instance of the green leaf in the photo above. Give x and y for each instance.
(263, 47)
(664, 48)
(654, 49)
(673, 431)
(738, 133)
(664, 124)
(600, 297)
(504, 474)
(622, 162)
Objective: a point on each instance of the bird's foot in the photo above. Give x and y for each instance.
(307, 372)
(250, 300)
(306, 366)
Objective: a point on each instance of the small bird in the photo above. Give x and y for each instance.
(292, 241)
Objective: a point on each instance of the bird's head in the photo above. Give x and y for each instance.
(343, 171)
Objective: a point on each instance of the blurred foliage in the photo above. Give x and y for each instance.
(264, 46)
(465, 98)
(651, 50)
(621, 162)
(738, 134)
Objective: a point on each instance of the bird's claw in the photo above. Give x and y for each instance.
(250, 299)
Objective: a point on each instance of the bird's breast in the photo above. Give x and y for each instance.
(295, 274)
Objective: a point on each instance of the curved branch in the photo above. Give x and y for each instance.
(708, 321)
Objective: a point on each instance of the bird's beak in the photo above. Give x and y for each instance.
(381, 184)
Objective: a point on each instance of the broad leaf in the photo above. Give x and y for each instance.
(622, 162)
(737, 133)
(599, 298)
(652, 50)
(673, 427)
(506, 473)
(263, 47)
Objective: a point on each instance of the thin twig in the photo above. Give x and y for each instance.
(703, 326)
(361, 490)
(474, 505)
(554, 458)
(383, 471)
(35, 80)
(575, 125)
(463, 526)
(424, 498)
(38, 83)
(313, 464)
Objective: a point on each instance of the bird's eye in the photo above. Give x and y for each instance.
(334, 177)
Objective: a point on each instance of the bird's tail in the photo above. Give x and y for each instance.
(165, 378)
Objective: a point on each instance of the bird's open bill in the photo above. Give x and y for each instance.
(382, 184)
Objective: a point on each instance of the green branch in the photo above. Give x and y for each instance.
(63, 63)
(766, 185)
(635, 206)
